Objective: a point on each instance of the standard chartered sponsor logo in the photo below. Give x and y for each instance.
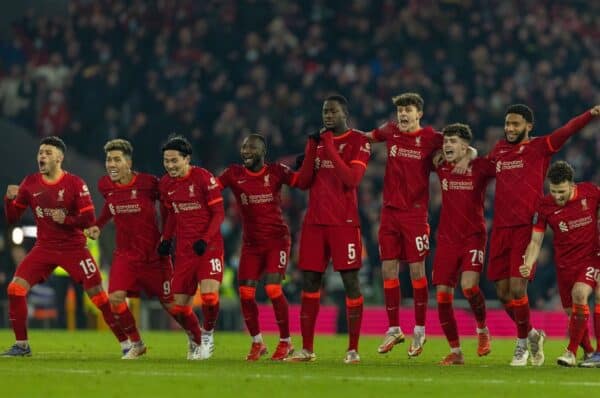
(396, 151)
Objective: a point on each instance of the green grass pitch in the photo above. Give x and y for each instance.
(88, 364)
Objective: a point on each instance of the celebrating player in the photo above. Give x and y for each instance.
(62, 208)
(266, 239)
(571, 212)
(404, 230)
(193, 198)
(333, 167)
(461, 238)
(521, 164)
(130, 199)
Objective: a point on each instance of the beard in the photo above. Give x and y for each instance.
(519, 138)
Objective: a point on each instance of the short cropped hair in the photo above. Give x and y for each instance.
(259, 137)
(523, 110)
(55, 142)
(119, 144)
(560, 172)
(340, 99)
(406, 99)
(178, 143)
(459, 130)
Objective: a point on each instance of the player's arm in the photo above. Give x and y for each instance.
(15, 203)
(350, 175)
(93, 232)
(558, 137)
(532, 252)
(462, 166)
(306, 172)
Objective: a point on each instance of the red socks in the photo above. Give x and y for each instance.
(391, 294)
(447, 319)
(354, 311)
(249, 309)
(100, 300)
(210, 310)
(187, 319)
(308, 316)
(421, 297)
(521, 312)
(477, 303)
(17, 310)
(577, 325)
(280, 308)
(125, 318)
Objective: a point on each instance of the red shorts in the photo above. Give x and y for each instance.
(191, 269)
(567, 276)
(269, 257)
(402, 239)
(39, 263)
(507, 248)
(453, 258)
(320, 243)
(133, 276)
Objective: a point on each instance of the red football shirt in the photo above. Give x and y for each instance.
(133, 209)
(258, 197)
(574, 224)
(463, 197)
(69, 194)
(189, 199)
(409, 163)
(330, 201)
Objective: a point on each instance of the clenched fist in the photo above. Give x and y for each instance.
(12, 191)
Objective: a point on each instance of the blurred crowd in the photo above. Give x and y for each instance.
(216, 70)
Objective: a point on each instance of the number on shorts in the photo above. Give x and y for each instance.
(166, 288)
(476, 256)
(351, 251)
(282, 258)
(88, 266)
(422, 242)
(592, 274)
(216, 265)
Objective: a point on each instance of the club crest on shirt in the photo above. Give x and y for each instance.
(267, 183)
(61, 195)
(134, 194)
(584, 205)
(418, 141)
(521, 149)
(341, 147)
(191, 189)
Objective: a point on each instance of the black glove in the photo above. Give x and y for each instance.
(199, 247)
(316, 137)
(164, 247)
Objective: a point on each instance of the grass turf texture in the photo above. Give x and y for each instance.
(88, 364)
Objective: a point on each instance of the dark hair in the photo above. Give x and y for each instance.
(119, 144)
(560, 172)
(459, 130)
(523, 110)
(178, 143)
(406, 99)
(55, 142)
(259, 137)
(340, 99)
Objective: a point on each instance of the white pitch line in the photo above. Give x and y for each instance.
(258, 376)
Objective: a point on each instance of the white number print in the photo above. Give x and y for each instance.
(476, 256)
(216, 265)
(282, 259)
(422, 242)
(592, 274)
(166, 288)
(88, 267)
(351, 252)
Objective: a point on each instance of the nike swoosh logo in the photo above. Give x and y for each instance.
(351, 262)
(397, 135)
(170, 193)
(214, 273)
(241, 181)
(37, 194)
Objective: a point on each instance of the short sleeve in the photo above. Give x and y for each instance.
(224, 180)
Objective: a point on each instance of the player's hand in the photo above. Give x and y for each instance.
(199, 247)
(12, 191)
(58, 216)
(164, 248)
(92, 232)
(595, 110)
(462, 166)
(525, 270)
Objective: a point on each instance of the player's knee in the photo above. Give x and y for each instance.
(247, 292)
(503, 295)
(211, 299)
(99, 299)
(274, 290)
(467, 285)
(311, 281)
(16, 289)
(273, 278)
(579, 296)
(116, 298)
(389, 270)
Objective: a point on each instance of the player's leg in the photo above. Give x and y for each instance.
(354, 312)
(251, 264)
(498, 270)
(594, 360)
(120, 309)
(184, 285)
(277, 261)
(578, 320)
(390, 251)
(445, 299)
(17, 314)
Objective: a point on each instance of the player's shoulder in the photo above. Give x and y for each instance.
(233, 169)
(145, 180)
(588, 188)
(545, 203)
(278, 168)
(73, 179)
(30, 179)
(105, 184)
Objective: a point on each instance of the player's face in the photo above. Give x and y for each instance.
(409, 118)
(118, 166)
(253, 153)
(49, 159)
(455, 148)
(175, 163)
(516, 128)
(561, 193)
(334, 116)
